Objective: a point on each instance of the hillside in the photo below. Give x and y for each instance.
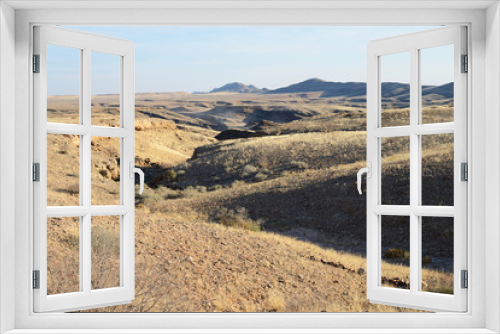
(205, 267)
(271, 223)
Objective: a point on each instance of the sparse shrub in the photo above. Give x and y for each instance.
(446, 289)
(74, 189)
(397, 253)
(300, 164)
(154, 199)
(192, 191)
(259, 177)
(236, 183)
(249, 169)
(105, 241)
(170, 175)
(172, 194)
(237, 218)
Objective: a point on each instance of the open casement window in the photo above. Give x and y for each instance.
(417, 197)
(82, 200)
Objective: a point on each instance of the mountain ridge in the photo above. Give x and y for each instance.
(237, 87)
(335, 89)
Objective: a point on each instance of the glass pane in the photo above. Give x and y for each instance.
(105, 170)
(437, 254)
(105, 252)
(395, 269)
(63, 170)
(63, 255)
(437, 77)
(105, 89)
(437, 169)
(395, 170)
(395, 86)
(63, 84)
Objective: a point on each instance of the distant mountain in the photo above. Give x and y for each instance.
(399, 91)
(446, 90)
(237, 87)
(311, 85)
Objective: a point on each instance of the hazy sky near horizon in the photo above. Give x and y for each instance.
(201, 58)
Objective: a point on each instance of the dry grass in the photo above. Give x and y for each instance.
(199, 267)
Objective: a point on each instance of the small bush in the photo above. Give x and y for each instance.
(427, 259)
(397, 253)
(236, 184)
(249, 169)
(169, 175)
(74, 189)
(105, 241)
(259, 177)
(237, 218)
(300, 164)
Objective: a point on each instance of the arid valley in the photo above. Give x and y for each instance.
(250, 202)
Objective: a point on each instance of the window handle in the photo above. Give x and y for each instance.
(133, 171)
(368, 171)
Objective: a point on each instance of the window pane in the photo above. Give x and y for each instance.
(437, 78)
(105, 252)
(437, 254)
(63, 255)
(105, 170)
(395, 269)
(395, 89)
(105, 89)
(63, 170)
(395, 170)
(63, 84)
(437, 169)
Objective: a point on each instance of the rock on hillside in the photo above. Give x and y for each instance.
(237, 87)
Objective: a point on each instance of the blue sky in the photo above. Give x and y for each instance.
(202, 58)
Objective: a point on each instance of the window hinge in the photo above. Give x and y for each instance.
(36, 63)
(465, 64)
(36, 279)
(464, 168)
(36, 172)
(465, 279)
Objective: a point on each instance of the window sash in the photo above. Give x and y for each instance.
(413, 297)
(86, 297)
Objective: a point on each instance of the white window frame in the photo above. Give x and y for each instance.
(484, 103)
(86, 44)
(412, 44)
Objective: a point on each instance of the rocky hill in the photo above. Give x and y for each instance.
(237, 87)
